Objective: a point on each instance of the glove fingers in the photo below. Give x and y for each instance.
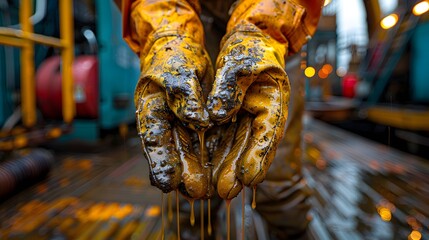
(235, 74)
(178, 65)
(268, 100)
(228, 185)
(185, 98)
(155, 131)
(223, 150)
(194, 175)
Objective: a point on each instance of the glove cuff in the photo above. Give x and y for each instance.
(286, 21)
(161, 34)
(146, 18)
(249, 30)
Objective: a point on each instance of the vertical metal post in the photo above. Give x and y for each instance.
(28, 96)
(66, 35)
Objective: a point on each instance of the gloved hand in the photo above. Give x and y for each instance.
(250, 77)
(176, 72)
(252, 85)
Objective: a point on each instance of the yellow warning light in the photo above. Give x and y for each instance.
(389, 21)
(421, 8)
(309, 72)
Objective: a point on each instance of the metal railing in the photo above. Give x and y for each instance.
(25, 38)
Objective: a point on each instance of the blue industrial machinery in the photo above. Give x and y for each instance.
(118, 75)
(419, 63)
(118, 66)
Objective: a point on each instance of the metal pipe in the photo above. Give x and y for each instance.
(67, 38)
(38, 16)
(92, 40)
(28, 96)
(7, 33)
(40, 12)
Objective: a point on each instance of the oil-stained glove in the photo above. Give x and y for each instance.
(252, 86)
(250, 77)
(175, 73)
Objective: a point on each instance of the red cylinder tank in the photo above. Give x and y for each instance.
(85, 77)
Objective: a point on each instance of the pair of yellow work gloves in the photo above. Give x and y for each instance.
(242, 108)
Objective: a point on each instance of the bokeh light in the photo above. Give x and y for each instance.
(421, 8)
(309, 72)
(389, 21)
(322, 74)
(415, 235)
(327, 2)
(327, 68)
(385, 214)
(341, 71)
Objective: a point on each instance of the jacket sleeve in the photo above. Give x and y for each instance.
(145, 20)
(290, 22)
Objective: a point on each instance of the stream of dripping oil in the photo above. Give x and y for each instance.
(162, 216)
(202, 145)
(202, 161)
(202, 218)
(228, 219)
(243, 202)
(177, 214)
(192, 217)
(209, 223)
(170, 208)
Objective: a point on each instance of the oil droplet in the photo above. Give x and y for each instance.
(202, 145)
(202, 218)
(254, 198)
(162, 216)
(228, 219)
(170, 208)
(243, 213)
(177, 214)
(234, 118)
(209, 223)
(192, 218)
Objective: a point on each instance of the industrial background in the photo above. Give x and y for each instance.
(70, 160)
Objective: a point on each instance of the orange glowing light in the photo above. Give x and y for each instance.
(309, 72)
(327, 68)
(20, 141)
(385, 214)
(123, 211)
(322, 74)
(153, 211)
(54, 133)
(421, 8)
(389, 21)
(415, 235)
(314, 153)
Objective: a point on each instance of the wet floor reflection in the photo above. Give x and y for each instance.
(363, 190)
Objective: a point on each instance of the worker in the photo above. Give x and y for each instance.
(179, 94)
